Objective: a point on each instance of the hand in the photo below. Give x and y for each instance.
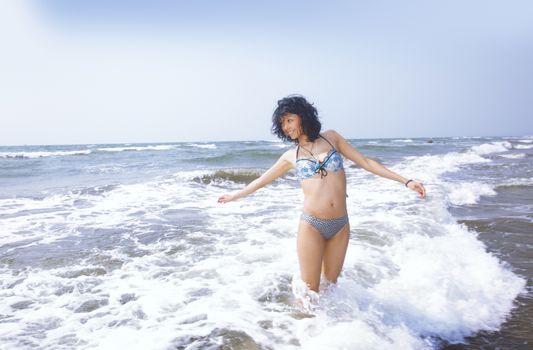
(226, 198)
(418, 187)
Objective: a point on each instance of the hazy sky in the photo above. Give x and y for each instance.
(163, 71)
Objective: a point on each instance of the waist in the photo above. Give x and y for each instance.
(325, 210)
(329, 218)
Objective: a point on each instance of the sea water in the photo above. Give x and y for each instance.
(125, 246)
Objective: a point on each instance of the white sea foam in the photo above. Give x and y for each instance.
(468, 193)
(518, 182)
(42, 154)
(523, 146)
(137, 148)
(494, 147)
(403, 140)
(281, 145)
(514, 156)
(435, 165)
(204, 145)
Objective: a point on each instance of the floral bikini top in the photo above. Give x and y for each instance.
(307, 167)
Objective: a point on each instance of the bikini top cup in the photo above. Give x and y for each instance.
(307, 167)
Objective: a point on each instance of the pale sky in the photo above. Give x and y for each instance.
(169, 71)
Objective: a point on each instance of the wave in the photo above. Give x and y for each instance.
(280, 145)
(523, 146)
(452, 161)
(468, 193)
(513, 156)
(435, 165)
(44, 154)
(403, 140)
(239, 155)
(519, 182)
(137, 148)
(242, 176)
(494, 147)
(204, 145)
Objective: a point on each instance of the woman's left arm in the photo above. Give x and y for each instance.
(373, 166)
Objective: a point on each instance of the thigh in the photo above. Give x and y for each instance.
(310, 246)
(334, 253)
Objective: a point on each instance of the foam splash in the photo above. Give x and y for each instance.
(204, 145)
(44, 154)
(494, 147)
(523, 146)
(138, 148)
(468, 193)
(513, 156)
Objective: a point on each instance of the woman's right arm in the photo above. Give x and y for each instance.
(282, 165)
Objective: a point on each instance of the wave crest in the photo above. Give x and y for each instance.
(43, 154)
(244, 176)
(494, 147)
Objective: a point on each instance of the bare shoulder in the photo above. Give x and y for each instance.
(333, 136)
(289, 155)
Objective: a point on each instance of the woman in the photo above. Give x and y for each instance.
(323, 232)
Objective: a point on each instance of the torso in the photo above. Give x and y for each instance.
(324, 196)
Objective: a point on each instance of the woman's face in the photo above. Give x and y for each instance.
(291, 125)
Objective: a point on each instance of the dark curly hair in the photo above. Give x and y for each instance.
(296, 104)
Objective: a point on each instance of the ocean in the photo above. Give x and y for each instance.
(125, 246)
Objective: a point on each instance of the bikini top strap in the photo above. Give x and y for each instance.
(297, 149)
(327, 141)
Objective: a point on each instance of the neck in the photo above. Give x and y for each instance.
(304, 140)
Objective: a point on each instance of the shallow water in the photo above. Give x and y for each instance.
(111, 246)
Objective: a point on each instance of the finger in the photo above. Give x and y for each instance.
(417, 189)
(422, 191)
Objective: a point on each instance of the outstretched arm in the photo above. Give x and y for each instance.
(373, 166)
(278, 169)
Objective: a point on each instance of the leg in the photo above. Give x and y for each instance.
(334, 253)
(310, 246)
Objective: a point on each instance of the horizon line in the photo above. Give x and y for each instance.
(256, 140)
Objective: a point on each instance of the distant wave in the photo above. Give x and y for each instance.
(494, 147)
(138, 148)
(449, 162)
(42, 154)
(523, 146)
(452, 161)
(204, 145)
(513, 156)
(280, 145)
(468, 193)
(402, 140)
(520, 182)
(252, 154)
